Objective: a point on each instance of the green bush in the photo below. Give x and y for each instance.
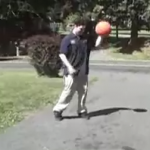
(44, 53)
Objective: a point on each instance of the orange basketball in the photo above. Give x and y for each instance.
(103, 28)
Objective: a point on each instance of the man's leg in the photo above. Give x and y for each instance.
(82, 88)
(65, 97)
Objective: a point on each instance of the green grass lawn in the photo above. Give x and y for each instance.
(22, 93)
(136, 55)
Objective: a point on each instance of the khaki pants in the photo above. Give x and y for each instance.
(73, 84)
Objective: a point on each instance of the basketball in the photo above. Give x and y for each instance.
(103, 28)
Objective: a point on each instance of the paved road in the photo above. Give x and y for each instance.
(117, 66)
(119, 106)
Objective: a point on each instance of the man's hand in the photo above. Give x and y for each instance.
(98, 41)
(71, 70)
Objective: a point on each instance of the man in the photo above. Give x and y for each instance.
(73, 53)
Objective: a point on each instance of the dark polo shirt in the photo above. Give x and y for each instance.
(75, 50)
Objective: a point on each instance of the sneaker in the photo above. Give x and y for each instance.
(83, 115)
(58, 115)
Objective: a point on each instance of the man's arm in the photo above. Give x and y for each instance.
(63, 51)
(65, 60)
(98, 41)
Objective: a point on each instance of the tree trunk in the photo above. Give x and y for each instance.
(134, 32)
(117, 33)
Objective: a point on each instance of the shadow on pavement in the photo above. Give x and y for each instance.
(107, 111)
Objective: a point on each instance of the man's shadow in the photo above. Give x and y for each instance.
(107, 111)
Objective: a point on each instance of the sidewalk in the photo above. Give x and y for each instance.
(101, 60)
(98, 56)
(98, 60)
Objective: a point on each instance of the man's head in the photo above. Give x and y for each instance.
(79, 25)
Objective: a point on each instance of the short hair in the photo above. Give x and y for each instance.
(79, 21)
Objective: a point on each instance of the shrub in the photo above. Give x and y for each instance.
(43, 52)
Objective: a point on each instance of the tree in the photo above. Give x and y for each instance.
(127, 13)
(137, 9)
(43, 50)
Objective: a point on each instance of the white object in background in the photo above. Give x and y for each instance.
(17, 51)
